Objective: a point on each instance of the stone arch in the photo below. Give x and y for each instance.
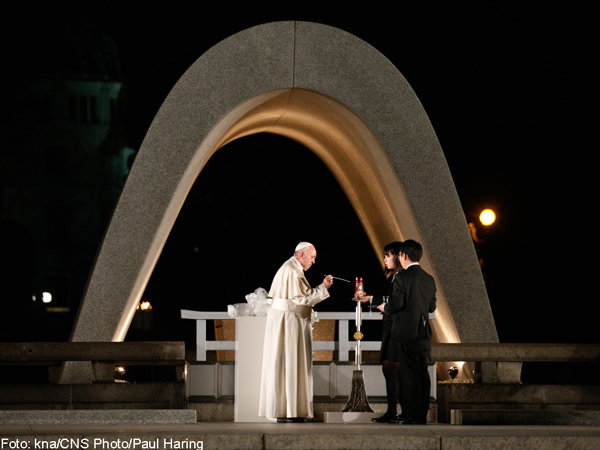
(340, 98)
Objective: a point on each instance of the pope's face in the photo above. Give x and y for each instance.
(307, 258)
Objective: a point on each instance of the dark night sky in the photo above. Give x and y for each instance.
(505, 87)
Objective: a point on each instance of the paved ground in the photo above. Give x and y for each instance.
(229, 435)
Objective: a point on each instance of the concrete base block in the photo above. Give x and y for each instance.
(101, 417)
(509, 372)
(348, 417)
(213, 411)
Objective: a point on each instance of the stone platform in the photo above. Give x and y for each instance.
(511, 417)
(99, 417)
(229, 435)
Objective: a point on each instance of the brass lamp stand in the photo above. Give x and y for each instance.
(358, 401)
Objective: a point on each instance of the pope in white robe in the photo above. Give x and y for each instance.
(286, 391)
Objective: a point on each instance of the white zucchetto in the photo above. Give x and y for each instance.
(302, 245)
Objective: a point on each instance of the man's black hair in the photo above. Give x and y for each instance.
(412, 249)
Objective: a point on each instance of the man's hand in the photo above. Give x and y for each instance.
(381, 307)
(328, 281)
(364, 299)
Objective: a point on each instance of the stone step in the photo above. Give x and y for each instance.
(222, 411)
(519, 417)
(316, 436)
(100, 417)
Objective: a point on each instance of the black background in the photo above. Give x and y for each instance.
(506, 88)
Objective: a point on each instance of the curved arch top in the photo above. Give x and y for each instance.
(342, 99)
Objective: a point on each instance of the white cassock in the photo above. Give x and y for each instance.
(286, 388)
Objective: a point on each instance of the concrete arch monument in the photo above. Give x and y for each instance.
(340, 98)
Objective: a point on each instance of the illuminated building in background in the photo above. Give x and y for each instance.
(63, 161)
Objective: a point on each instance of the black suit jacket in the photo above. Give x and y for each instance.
(412, 299)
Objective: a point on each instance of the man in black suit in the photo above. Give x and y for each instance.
(413, 298)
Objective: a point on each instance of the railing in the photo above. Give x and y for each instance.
(32, 394)
(104, 356)
(509, 358)
(343, 345)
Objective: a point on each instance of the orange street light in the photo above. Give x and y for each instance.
(487, 217)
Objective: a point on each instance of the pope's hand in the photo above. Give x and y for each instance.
(328, 281)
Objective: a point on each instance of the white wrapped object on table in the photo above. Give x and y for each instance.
(259, 302)
(239, 310)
